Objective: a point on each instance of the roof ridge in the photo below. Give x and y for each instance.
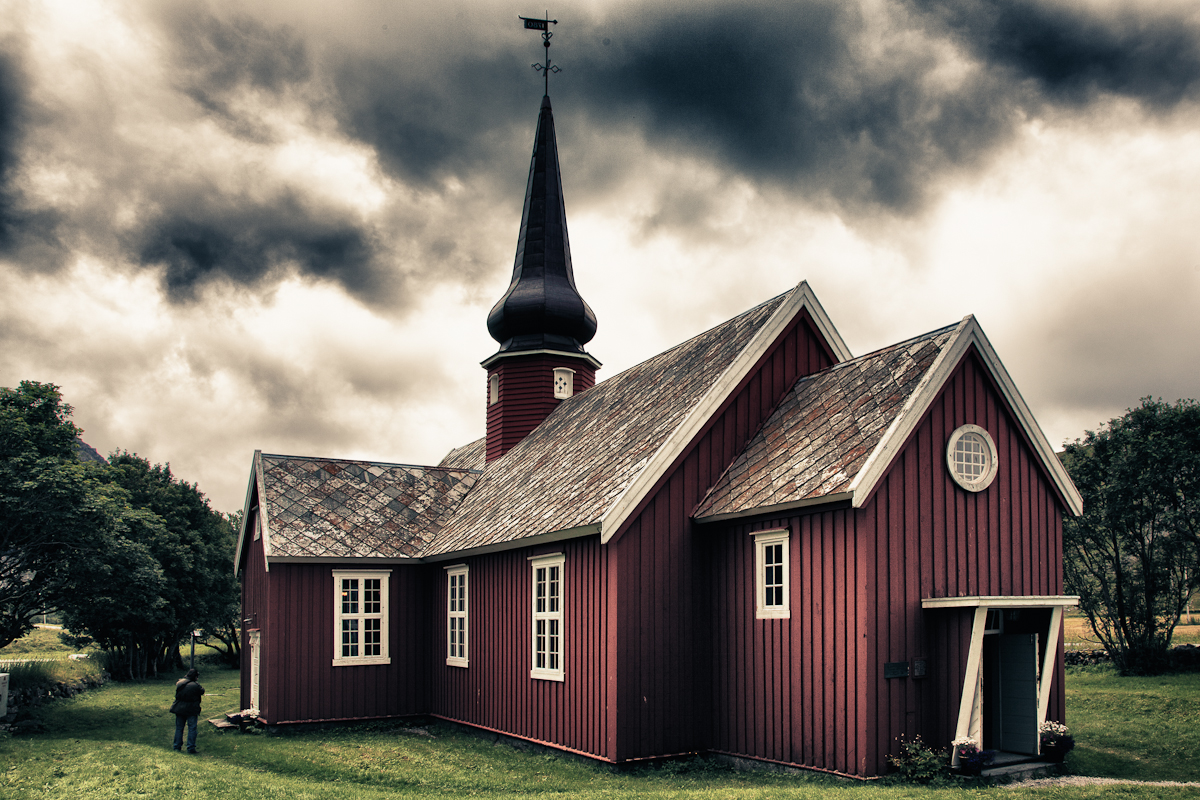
(893, 346)
(369, 461)
(690, 339)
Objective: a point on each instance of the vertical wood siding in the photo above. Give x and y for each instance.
(662, 672)
(255, 605)
(810, 690)
(300, 684)
(527, 396)
(495, 691)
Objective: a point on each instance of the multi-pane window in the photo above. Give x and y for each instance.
(547, 617)
(971, 457)
(771, 574)
(456, 616)
(360, 618)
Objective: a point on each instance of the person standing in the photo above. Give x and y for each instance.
(186, 709)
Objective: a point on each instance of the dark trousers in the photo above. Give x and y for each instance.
(191, 726)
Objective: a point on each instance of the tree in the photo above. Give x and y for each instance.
(1133, 555)
(228, 631)
(50, 504)
(179, 555)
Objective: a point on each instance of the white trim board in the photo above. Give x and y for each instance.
(1003, 601)
(967, 333)
(800, 298)
(581, 356)
(251, 485)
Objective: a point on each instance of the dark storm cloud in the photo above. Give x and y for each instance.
(1073, 53)
(219, 59)
(25, 231)
(792, 95)
(425, 127)
(247, 241)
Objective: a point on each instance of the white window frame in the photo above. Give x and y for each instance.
(992, 467)
(457, 599)
(762, 541)
(568, 376)
(552, 614)
(494, 388)
(361, 616)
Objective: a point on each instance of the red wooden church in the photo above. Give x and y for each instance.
(753, 544)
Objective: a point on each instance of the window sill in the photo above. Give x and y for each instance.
(547, 675)
(361, 661)
(456, 662)
(774, 613)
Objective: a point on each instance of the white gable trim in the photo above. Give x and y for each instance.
(968, 333)
(251, 495)
(264, 519)
(800, 298)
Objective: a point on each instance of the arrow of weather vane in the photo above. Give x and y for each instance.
(543, 25)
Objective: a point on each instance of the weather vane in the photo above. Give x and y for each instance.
(543, 25)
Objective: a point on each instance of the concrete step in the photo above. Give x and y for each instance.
(1023, 771)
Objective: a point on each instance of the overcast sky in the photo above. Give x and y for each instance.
(282, 228)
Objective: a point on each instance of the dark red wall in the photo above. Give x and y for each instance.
(810, 690)
(527, 396)
(495, 691)
(662, 670)
(299, 682)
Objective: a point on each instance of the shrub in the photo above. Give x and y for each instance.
(918, 762)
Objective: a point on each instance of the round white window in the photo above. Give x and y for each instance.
(971, 457)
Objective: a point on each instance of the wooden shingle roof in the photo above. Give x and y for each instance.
(574, 466)
(821, 434)
(469, 456)
(331, 508)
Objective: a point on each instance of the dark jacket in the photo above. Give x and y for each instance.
(187, 698)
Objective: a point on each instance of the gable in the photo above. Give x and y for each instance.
(837, 432)
(968, 337)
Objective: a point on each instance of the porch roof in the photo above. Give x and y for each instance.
(1002, 601)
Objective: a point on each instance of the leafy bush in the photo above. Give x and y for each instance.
(918, 762)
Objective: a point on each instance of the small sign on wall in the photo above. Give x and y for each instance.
(895, 669)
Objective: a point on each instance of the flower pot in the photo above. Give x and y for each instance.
(1054, 753)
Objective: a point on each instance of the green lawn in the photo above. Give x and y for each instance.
(115, 742)
(1147, 728)
(38, 643)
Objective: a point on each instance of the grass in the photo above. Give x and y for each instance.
(115, 742)
(39, 673)
(41, 643)
(1144, 728)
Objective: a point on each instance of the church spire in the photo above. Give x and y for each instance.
(541, 322)
(542, 309)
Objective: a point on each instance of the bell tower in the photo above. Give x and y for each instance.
(541, 322)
